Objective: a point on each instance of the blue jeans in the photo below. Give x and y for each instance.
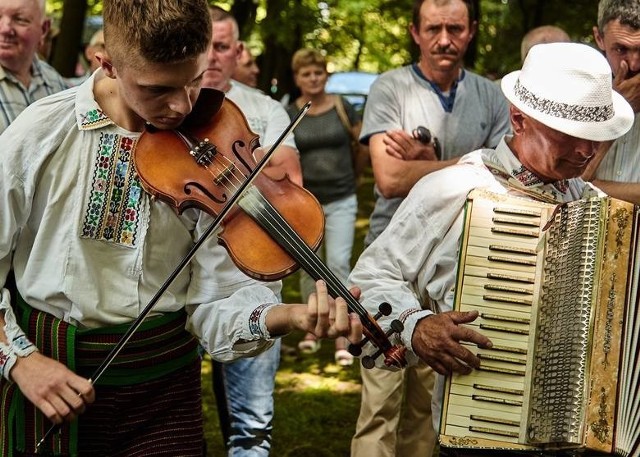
(248, 385)
(336, 248)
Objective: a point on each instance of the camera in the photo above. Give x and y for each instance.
(423, 135)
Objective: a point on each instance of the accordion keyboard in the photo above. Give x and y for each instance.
(500, 281)
(550, 283)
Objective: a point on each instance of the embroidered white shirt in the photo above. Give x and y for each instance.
(91, 247)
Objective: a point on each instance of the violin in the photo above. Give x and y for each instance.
(276, 226)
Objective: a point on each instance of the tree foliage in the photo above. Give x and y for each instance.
(502, 25)
(364, 35)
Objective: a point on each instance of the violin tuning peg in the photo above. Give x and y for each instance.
(383, 310)
(397, 326)
(368, 362)
(354, 349)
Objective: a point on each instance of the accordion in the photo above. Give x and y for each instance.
(556, 287)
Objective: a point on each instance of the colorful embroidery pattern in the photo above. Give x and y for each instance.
(525, 177)
(529, 179)
(93, 118)
(254, 320)
(113, 210)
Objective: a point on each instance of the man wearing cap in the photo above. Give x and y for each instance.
(562, 107)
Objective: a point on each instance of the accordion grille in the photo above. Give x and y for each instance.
(562, 335)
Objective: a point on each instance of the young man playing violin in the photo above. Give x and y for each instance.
(90, 248)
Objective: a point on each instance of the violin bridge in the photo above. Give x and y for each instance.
(224, 174)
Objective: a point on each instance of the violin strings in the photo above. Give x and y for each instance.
(279, 225)
(273, 217)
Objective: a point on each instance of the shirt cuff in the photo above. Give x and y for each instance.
(18, 346)
(258, 321)
(7, 360)
(258, 338)
(410, 319)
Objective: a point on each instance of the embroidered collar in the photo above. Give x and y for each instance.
(446, 101)
(505, 167)
(89, 115)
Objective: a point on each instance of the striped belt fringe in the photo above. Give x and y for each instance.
(159, 347)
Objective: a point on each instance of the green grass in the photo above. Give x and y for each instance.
(316, 405)
(316, 401)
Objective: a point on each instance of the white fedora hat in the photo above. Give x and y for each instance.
(567, 86)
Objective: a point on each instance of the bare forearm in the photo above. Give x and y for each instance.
(395, 178)
(285, 161)
(396, 168)
(278, 320)
(621, 190)
(362, 161)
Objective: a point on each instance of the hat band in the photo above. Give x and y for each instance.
(576, 113)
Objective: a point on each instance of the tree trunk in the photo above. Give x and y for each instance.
(276, 78)
(244, 11)
(69, 41)
(472, 50)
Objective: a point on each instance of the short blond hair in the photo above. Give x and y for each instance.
(170, 31)
(304, 57)
(220, 15)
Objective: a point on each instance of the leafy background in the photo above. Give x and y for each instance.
(364, 35)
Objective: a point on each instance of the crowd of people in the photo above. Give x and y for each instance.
(85, 246)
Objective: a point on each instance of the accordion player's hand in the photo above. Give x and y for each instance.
(437, 340)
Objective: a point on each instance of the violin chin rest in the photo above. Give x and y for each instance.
(208, 104)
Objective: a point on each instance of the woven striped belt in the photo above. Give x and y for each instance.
(160, 346)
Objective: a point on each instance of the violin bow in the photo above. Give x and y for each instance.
(262, 163)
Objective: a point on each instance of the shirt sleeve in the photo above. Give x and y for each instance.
(226, 307)
(501, 124)
(277, 122)
(382, 110)
(17, 184)
(414, 258)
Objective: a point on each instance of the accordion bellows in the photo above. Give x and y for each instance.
(556, 288)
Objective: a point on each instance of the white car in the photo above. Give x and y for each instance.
(354, 85)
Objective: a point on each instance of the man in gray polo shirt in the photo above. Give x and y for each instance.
(465, 112)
